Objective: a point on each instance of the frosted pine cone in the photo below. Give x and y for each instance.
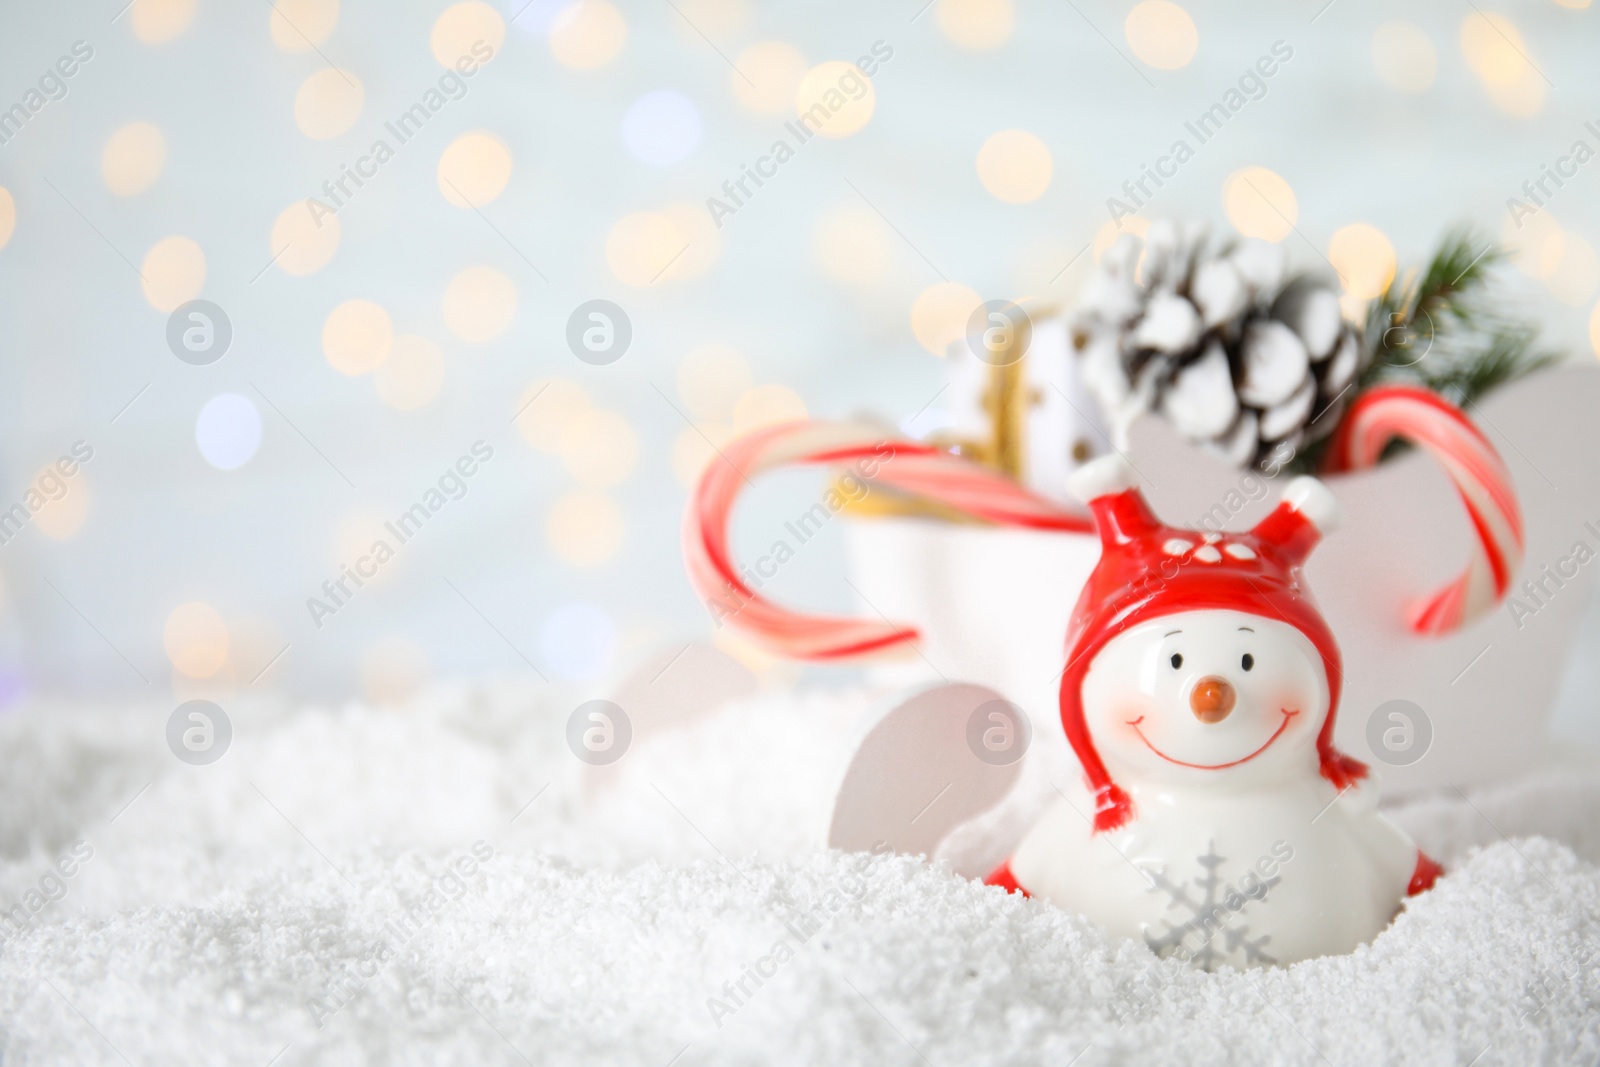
(1217, 344)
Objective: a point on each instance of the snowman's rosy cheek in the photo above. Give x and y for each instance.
(1294, 698)
(1125, 714)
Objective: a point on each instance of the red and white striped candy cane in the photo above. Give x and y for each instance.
(1438, 427)
(884, 460)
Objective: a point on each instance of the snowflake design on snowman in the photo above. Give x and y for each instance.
(1199, 695)
(1210, 915)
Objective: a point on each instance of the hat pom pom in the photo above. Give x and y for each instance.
(1315, 501)
(1105, 476)
(1307, 512)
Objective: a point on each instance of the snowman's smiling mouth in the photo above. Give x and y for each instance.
(1282, 726)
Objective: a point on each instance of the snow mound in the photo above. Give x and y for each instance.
(448, 884)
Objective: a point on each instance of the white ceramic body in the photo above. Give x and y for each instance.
(1341, 871)
(1239, 851)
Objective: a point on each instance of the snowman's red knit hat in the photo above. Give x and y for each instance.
(1148, 569)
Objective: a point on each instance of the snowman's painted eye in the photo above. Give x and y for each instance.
(1248, 661)
(1177, 660)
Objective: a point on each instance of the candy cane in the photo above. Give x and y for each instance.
(1430, 422)
(882, 460)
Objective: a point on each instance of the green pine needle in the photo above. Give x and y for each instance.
(1443, 331)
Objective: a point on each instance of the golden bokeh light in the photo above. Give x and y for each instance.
(132, 159)
(196, 639)
(1162, 34)
(474, 169)
(674, 244)
(357, 337)
(412, 375)
(711, 379)
(479, 304)
(298, 25)
(63, 516)
(303, 244)
(703, 245)
(1493, 48)
(461, 27)
(641, 246)
(768, 77)
(354, 535)
(976, 24)
(835, 99)
(1404, 56)
(1497, 54)
(328, 103)
(1594, 330)
(1364, 258)
(585, 527)
(940, 314)
(393, 671)
(1353, 309)
(1577, 275)
(173, 272)
(547, 409)
(851, 245)
(599, 448)
(587, 34)
(1260, 203)
(155, 21)
(1522, 99)
(8, 216)
(765, 405)
(1015, 166)
(1536, 243)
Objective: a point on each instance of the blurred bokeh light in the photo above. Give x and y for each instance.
(391, 309)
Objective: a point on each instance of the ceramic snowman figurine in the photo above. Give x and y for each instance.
(1218, 823)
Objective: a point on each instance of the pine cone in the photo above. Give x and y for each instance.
(1235, 359)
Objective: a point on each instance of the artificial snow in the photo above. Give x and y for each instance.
(446, 884)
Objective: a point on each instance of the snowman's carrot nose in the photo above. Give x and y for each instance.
(1212, 699)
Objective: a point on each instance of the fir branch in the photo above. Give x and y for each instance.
(1442, 297)
(1441, 329)
(1460, 267)
(1507, 353)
